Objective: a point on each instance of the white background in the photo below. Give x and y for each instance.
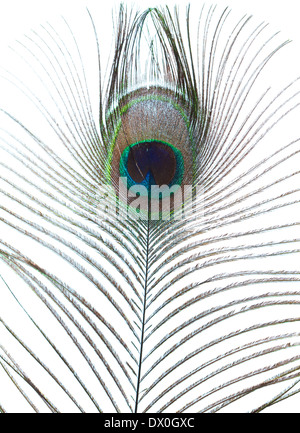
(16, 17)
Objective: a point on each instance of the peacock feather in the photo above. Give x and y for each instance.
(149, 218)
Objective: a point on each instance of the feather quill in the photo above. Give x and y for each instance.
(111, 307)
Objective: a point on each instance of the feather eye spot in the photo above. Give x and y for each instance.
(150, 145)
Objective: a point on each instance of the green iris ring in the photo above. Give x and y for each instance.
(108, 167)
(177, 178)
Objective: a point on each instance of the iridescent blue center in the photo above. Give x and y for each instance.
(152, 163)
